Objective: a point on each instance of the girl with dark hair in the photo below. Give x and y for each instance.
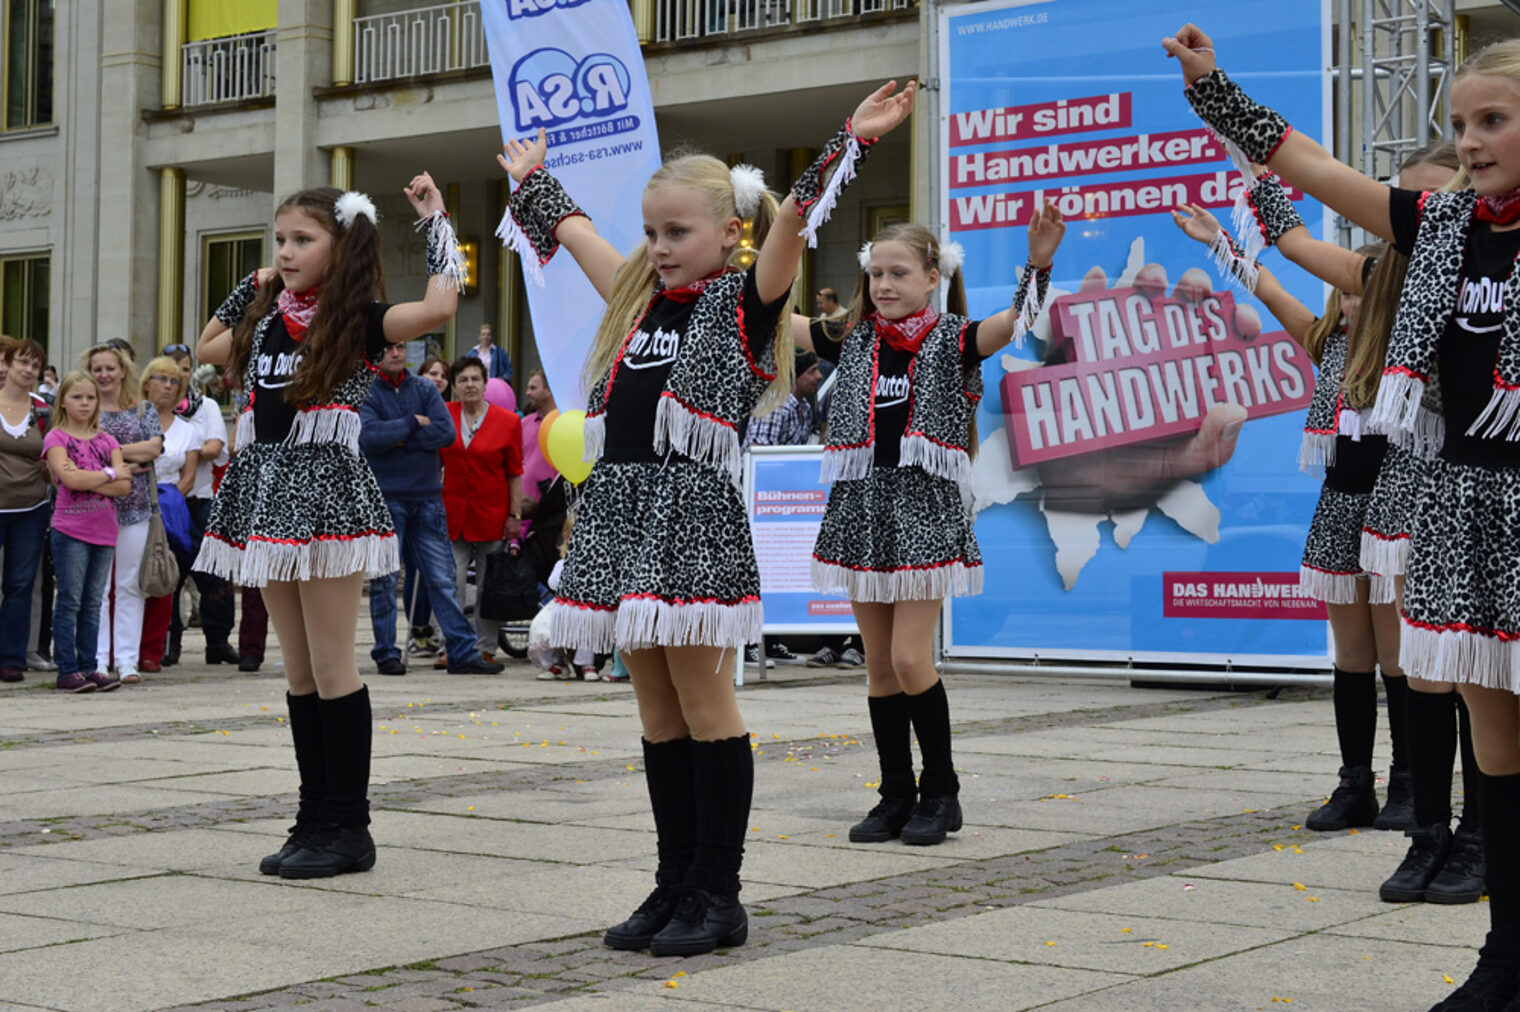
(299, 513)
(896, 534)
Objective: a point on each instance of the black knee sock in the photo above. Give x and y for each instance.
(1355, 716)
(723, 784)
(930, 712)
(347, 736)
(667, 771)
(311, 758)
(1432, 745)
(1500, 801)
(1472, 809)
(891, 726)
(1397, 692)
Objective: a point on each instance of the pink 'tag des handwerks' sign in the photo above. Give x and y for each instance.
(1144, 367)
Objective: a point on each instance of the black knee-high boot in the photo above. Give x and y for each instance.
(1353, 802)
(891, 726)
(347, 737)
(1432, 732)
(1461, 878)
(938, 811)
(311, 766)
(1495, 981)
(668, 774)
(709, 914)
(1398, 810)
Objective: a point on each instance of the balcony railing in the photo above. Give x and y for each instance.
(229, 69)
(680, 20)
(426, 40)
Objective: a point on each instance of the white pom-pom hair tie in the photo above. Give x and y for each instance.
(749, 187)
(865, 257)
(351, 205)
(951, 256)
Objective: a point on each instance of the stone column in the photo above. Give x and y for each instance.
(304, 44)
(342, 165)
(343, 42)
(175, 23)
(171, 257)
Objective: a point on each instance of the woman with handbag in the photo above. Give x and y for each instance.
(174, 470)
(137, 431)
(482, 484)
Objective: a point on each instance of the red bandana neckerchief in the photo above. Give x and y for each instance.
(1503, 209)
(689, 293)
(298, 308)
(906, 335)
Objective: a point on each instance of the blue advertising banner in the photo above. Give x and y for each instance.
(1137, 486)
(574, 68)
(785, 501)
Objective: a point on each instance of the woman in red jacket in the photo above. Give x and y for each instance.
(482, 482)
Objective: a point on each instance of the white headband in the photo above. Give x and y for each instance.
(351, 205)
(749, 187)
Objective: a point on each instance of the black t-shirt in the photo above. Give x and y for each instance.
(894, 388)
(1470, 343)
(1357, 462)
(645, 368)
(273, 370)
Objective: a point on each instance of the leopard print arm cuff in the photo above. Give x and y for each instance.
(1029, 299)
(1255, 129)
(537, 207)
(445, 260)
(1273, 208)
(231, 311)
(817, 190)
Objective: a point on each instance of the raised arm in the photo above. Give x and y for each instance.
(215, 344)
(1265, 137)
(597, 258)
(877, 115)
(440, 300)
(1045, 231)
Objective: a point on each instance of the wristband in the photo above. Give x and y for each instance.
(445, 260)
(110, 473)
(1250, 128)
(537, 207)
(1029, 299)
(814, 198)
(1273, 208)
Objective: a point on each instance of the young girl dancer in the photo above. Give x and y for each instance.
(1451, 381)
(896, 534)
(661, 564)
(298, 512)
(90, 470)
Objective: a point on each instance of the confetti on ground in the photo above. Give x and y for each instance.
(1050, 943)
(1188, 887)
(1447, 977)
(1300, 886)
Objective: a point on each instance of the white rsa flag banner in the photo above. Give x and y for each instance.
(574, 67)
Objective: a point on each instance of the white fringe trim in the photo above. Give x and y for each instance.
(440, 231)
(1331, 588)
(1398, 403)
(646, 622)
(1242, 217)
(1426, 438)
(1384, 556)
(243, 431)
(1460, 657)
(847, 464)
(678, 428)
(511, 234)
(1029, 312)
(823, 207)
(954, 579)
(326, 425)
(594, 434)
(1316, 452)
(939, 460)
(575, 627)
(1349, 422)
(263, 561)
(1380, 589)
(1239, 270)
(1501, 416)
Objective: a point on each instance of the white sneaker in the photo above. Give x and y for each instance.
(128, 676)
(36, 662)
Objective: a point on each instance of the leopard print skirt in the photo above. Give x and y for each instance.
(900, 534)
(1385, 528)
(297, 512)
(1331, 568)
(661, 556)
(1462, 589)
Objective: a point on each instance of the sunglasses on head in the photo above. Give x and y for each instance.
(176, 349)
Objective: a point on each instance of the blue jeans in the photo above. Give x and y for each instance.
(422, 529)
(21, 537)
(81, 571)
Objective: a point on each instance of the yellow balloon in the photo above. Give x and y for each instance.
(543, 431)
(567, 444)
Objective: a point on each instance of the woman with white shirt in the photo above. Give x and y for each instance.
(174, 472)
(216, 600)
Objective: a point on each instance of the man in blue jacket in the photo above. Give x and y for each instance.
(404, 425)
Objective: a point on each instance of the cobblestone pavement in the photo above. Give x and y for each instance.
(1165, 824)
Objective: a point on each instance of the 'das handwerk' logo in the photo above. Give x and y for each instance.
(550, 87)
(533, 8)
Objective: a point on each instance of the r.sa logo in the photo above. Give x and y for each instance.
(549, 87)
